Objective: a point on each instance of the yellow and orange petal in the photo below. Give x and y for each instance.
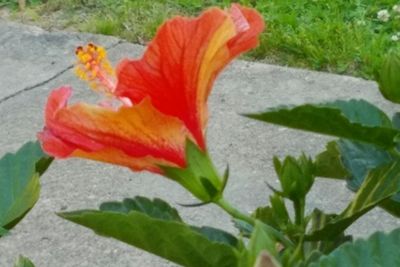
(180, 65)
(139, 137)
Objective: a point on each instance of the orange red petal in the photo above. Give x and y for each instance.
(180, 65)
(139, 137)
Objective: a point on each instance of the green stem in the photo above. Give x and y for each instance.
(226, 206)
(299, 211)
(298, 253)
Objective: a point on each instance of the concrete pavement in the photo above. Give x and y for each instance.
(33, 62)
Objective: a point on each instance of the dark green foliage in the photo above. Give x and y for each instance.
(156, 227)
(380, 184)
(353, 119)
(378, 250)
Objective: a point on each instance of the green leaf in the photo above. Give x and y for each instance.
(266, 215)
(3, 231)
(380, 184)
(156, 208)
(378, 250)
(171, 240)
(42, 164)
(396, 120)
(19, 182)
(313, 256)
(318, 220)
(260, 240)
(328, 163)
(199, 176)
(353, 119)
(244, 228)
(23, 262)
(361, 111)
(392, 205)
(22, 202)
(359, 159)
(276, 216)
(159, 209)
(217, 235)
(154, 226)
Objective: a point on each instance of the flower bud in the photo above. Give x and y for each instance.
(388, 77)
(295, 175)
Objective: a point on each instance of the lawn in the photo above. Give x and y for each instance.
(340, 36)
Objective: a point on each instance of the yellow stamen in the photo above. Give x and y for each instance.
(93, 66)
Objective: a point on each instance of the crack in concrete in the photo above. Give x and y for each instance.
(32, 87)
(29, 88)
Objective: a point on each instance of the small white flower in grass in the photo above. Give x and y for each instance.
(394, 38)
(383, 15)
(396, 8)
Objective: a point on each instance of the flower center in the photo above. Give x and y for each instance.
(93, 66)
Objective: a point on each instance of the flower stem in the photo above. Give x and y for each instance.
(226, 206)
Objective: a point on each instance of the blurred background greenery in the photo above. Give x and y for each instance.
(340, 36)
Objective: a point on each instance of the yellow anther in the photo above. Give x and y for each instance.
(93, 66)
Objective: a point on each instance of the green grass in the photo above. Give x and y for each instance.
(340, 36)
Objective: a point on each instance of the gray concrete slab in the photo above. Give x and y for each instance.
(246, 145)
(31, 56)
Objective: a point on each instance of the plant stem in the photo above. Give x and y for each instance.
(298, 253)
(226, 206)
(299, 211)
